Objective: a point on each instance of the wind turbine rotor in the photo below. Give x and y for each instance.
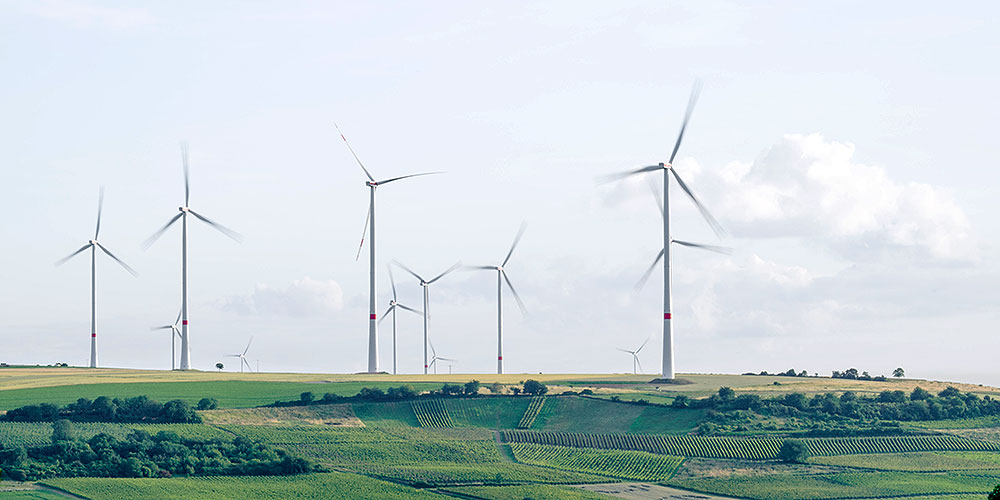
(645, 276)
(100, 208)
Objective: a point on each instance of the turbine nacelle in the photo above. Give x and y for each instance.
(183, 209)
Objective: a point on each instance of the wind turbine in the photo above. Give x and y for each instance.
(243, 357)
(426, 283)
(393, 304)
(635, 356)
(370, 227)
(183, 217)
(437, 358)
(667, 368)
(93, 245)
(174, 331)
(501, 278)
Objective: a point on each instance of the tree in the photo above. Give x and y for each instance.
(726, 393)
(308, 397)
(793, 450)
(898, 373)
(535, 388)
(62, 430)
(680, 401)
(515, 390)
(496, 388)
(919, 394)
(472, 388)
(220, 366)
(208, 404)
(995, 494)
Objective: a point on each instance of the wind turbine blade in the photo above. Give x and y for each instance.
(407, 308)
(70, 256)
(656, 194)
(476, 268)
(622, 175)
(433, 352)
(624, 350)
(123, 264)
(152, 239)
(714, 224)
(643, 345)
(222, 229)
(446, 271)
(100, 208)
(520, 304)
(232, 355)
(638, 362)
(167, 327)
(249, 368)
(187, 182)
(400, 264)
(448, 359)
(710, 248)
(392, 281)
(645, 276)
(517, 239)
(387, 311)
(687, 117)
(178, 320)
(406, 177)
(353, 153)
(248, 347)
(364, 233)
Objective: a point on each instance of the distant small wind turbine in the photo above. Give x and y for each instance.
(426, 283)
(437, 358)
(243, 357)
(184, 211)
(667, 368)
(93, 245)
(175, 333)
(501, 278)
(635, 357)
(370, 219)
(393, 304)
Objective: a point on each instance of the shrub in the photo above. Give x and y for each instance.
(535, 388)
(793, 450)
(62, 430)
(208, 404)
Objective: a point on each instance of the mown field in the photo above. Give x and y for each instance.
(510, 447)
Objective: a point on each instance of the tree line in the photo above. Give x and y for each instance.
(139, 409)
(143, 455)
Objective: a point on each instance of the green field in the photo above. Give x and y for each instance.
(624, 464)
(534, 492)
(918, 462)
(328, 486)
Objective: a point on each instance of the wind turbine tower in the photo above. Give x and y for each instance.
(501, 278)
(93, 245)
(426, 284)
(370, 228)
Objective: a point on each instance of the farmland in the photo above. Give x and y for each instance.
(515, 447)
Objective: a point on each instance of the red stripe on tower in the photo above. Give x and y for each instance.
(666, 316)
(371, 316)
(93, 335)
(184, 322)
(499, 358)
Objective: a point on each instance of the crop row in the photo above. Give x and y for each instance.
(531, 413)
(745, 448)
(500, 473)
(626, 464)
(432, 413)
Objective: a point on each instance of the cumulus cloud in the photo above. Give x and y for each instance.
(305, 297)
(806, 186)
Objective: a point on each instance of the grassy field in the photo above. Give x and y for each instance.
(329, 486)
(36, 433)
(624, 464)
(918, 462)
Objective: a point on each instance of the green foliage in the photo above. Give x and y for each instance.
(793, 450)
(208, 404)
(62, 430)
(105, 409)
(472, 388)
(432, 413)
(142, 455)
(635, 465)
(995, 494)
(307, 397)
(899, 373)
(918, 462)
(534, 387)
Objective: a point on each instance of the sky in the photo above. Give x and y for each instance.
(845, 147)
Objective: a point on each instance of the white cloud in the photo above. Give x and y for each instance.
(305, 297)
(808, 187)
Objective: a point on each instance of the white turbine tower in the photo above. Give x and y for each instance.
(393, 304)
(635, 357)
(435, 358)
(501, 278)
(182, 216)
(175, 332)
(426, 283)
(243, 357)
(667, 369)
(93, 245)
(370, 228)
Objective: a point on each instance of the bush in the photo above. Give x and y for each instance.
(307, 397)
(995, 494)
(62, 430)
(535, 388)
(472, 388)
(793, 450)
(681, 402)
(208, 404)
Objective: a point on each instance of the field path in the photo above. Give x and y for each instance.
(505, 450)
(59, 492)
(648, 491)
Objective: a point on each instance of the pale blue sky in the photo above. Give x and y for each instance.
(873, 257)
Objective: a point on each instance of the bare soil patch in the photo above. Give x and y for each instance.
(332, 415)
